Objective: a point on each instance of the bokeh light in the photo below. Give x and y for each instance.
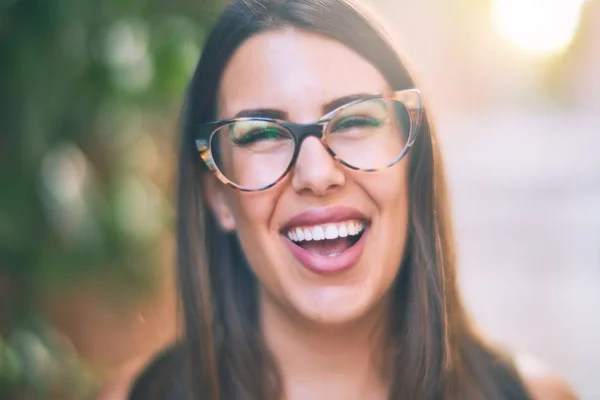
(539, 27)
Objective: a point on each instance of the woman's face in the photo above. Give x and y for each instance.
(299, 76)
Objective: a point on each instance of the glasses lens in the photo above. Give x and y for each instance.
(252, 154)
(370, 134)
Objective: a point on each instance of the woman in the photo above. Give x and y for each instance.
(315, 251)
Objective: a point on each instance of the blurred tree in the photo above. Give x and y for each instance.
(84, 85)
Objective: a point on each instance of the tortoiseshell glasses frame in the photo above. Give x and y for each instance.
(410, 99)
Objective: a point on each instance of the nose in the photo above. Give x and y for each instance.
(316, 171)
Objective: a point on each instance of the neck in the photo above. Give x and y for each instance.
(318, 361)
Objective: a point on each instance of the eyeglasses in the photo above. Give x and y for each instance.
(368, 134)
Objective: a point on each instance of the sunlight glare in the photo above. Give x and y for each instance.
(540, 27)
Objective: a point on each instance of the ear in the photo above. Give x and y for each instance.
(215, 195)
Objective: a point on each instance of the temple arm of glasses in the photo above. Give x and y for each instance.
(201, 145)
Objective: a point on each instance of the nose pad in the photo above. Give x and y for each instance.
(316, 170)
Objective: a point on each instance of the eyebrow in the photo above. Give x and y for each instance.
(280, 114)
(261, 113)
(340, 101)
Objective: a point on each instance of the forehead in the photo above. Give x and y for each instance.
(294, 71)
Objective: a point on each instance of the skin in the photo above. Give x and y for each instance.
(327, 332)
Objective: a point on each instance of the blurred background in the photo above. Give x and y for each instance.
(89, 99)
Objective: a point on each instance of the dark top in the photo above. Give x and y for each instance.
(163, 378)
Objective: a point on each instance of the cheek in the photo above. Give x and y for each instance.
(389, 191)
(253, 210)
(253, 214)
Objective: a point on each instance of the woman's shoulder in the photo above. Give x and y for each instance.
(162, 377)
(541, 382)
(159, 378)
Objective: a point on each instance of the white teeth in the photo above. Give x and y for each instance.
(343, 231)
(352, 229)
(318, 233)
(308, 235)
(326, 231)
(331, 232)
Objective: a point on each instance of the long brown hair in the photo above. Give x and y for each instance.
(436, 353)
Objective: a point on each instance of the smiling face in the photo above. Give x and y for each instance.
(327, 241)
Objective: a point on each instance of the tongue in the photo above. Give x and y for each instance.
(329, 247)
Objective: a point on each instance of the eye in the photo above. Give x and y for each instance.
(356, 121)
(244, 137)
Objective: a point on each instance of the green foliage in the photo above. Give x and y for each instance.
(89, 95)
(39, 365)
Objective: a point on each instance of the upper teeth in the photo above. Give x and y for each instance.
(326, 231)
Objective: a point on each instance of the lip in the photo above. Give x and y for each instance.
(321, 264)
(318, 216)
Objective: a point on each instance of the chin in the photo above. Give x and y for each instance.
(334, 305)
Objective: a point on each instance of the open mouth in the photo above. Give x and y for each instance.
(330, 239)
